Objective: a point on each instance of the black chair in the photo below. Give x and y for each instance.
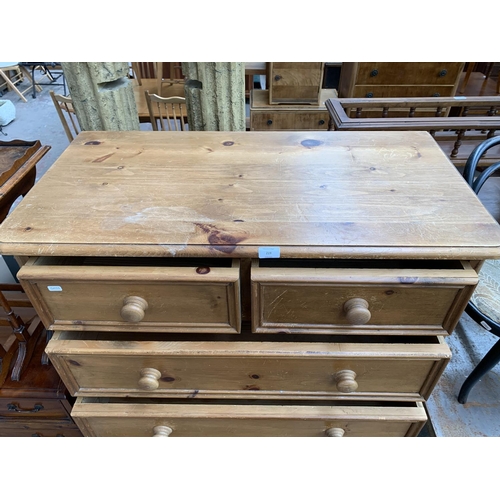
(483, 306)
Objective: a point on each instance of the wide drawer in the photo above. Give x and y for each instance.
(12, 407)
(39, 428)
(435, 73)
(402, 369)
(152, 294)
(290, 298)
(107, 418)
(293, 120)
(403, 90)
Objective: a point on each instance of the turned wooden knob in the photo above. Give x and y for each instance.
(161, 431)
(149, 380)
(335, 432)
(357, 312)
(345, 380)
(133, 309)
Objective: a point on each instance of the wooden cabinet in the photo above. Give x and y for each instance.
(265, 116)
(399, 79)
(297, 283)
(39, 404)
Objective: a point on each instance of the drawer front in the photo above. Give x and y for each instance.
(187, 299)
(260, 370)
(383, 73)
(358, 301)
(295, 82)
(204, 420)
(304, 120)
(39, 428)
(31, 408)
(403, 91)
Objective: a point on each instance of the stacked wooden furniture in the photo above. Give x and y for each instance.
(474, 119)
(250, 284)
(33, 399)
(19, 328)
(294, 101)
(399, 79)
(265, 116)
(37, 405)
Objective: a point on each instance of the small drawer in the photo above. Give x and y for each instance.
(293, 120)
(388, 368)
(12, 407)
(39, 428)
(335, 296)
(142, 294)
(153, 418)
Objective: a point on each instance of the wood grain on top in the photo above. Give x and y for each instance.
(313, 194)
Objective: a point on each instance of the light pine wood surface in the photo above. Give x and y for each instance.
(105, 419)
(297, 370)
(377, 194)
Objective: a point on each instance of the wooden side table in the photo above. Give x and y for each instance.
(18, 161)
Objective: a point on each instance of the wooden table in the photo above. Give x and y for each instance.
(250, 284)
(18, 161)
(151, 85)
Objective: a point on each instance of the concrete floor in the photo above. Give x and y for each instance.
(37, 119)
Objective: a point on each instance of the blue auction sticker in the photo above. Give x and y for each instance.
(269, 252)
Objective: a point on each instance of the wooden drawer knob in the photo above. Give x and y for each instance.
(335, 432)
(345, 380)
(149, 380)
(161, 431)
(357, 311)
(133, 309)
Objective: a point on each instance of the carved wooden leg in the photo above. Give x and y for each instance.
(18, 365)
(26, 349)
(458, 143)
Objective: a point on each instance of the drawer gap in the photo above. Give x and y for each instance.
(134, 261)
(248, 337)
(361, 264)
(250, 402)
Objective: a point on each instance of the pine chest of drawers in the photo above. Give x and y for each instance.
(399, 79)
(250, 284)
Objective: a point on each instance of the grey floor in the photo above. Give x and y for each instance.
(38, 120)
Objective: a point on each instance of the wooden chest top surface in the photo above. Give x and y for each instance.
(227, 194)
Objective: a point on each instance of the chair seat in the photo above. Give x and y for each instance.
(486, 296)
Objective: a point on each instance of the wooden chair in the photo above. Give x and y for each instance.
(484, 305)
(17, 335)
(470, 67)
(169, 112)
(174, 75)
(67, 115)
(19, 74)
(164, 73)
